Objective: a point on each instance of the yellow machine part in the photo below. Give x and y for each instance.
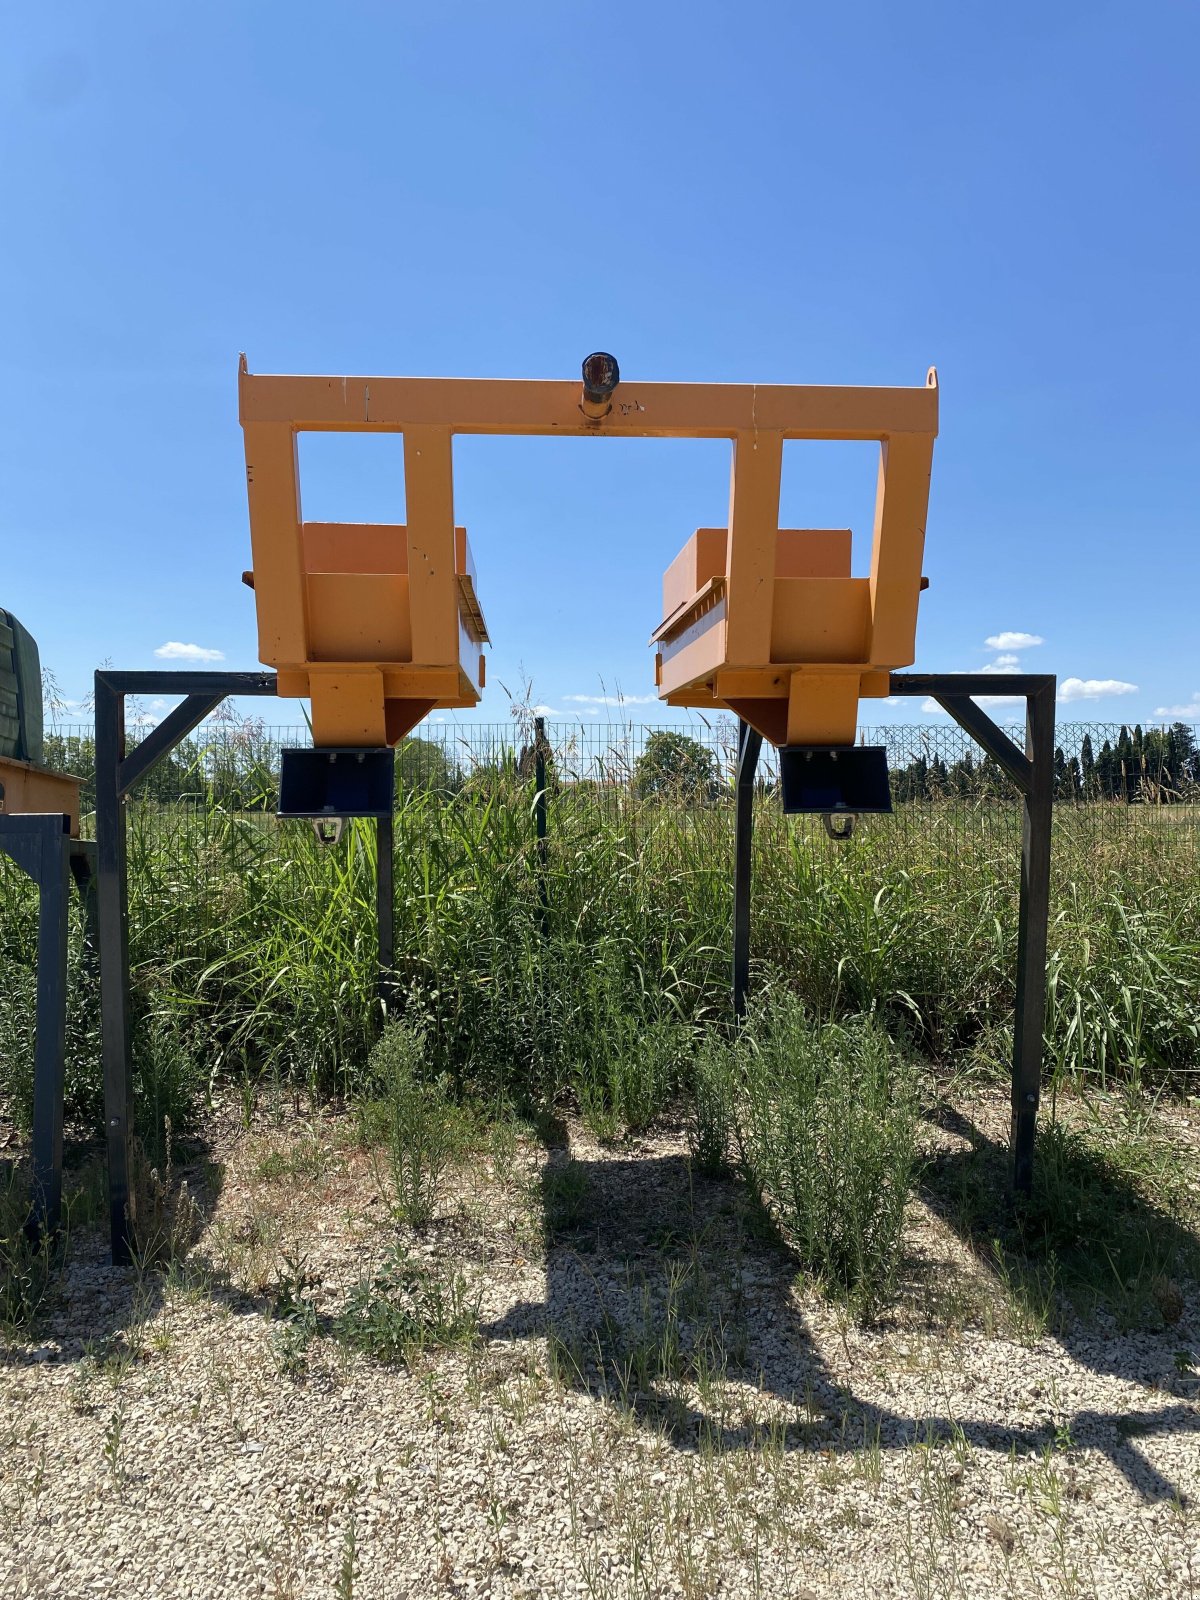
(379, 625)
(25, 787)
(773, 626)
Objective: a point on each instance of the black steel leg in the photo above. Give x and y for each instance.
(540, 822)
(111, 893)
(1033, 774)
(1030, 1021)
(54, 887)
(749, 745)
(385, 906)
(39, 844)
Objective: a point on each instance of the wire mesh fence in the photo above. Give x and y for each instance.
(231, 907)
(1124, 795)
(1126, 798)
(234, 762)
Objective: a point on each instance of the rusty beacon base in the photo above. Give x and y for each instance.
(379, 624)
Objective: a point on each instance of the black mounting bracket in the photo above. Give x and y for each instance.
(116, 774)
(1032, 772)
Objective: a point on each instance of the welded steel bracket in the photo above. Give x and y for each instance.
(1032, 772)
(116, 774)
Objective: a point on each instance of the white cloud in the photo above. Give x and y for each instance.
(612, 699)
(1093, 688)
(174, 651)
(1003, 664)
(932, 709)
(1013, 641)
(1188, 713)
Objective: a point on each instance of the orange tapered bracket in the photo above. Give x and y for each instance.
(377, 624)
(768, 622)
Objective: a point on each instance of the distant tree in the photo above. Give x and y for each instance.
(673, 765)
(1087, 766)
(423, 767)
(912, 782)
(1074, 779)
(1106, 772)
(962, 777)
(1185, 754)
(1060, 773)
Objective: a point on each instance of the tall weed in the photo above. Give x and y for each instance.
(421, 1129)
(821, 1120)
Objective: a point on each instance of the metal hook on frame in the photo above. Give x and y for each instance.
(847, 820)
(328, 830)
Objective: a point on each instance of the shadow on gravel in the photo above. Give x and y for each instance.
(1096, 1257)
(64, 1292)
(669, 1296)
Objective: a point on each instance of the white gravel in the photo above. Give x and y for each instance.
(188, 1457)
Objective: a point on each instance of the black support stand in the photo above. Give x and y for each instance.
(41, 845)
(1032, 771)
(749, 746)
(540, 823)
(116, 773)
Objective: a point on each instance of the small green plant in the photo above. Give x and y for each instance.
(406, 1306)
(114, 1435)
(711, 1126)
(26, 1268)
(566, 1191)
(167, 1085)
(348, 1568)
(422, 1129)
(294, 1308)
(306, 1159)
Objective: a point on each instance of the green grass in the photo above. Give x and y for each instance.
(253, 949)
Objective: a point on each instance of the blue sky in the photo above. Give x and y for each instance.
(773, 193)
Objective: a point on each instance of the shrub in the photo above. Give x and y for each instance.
(822, 1120)
(405, 1307)
(26, 1270)
(630, 1064)
(711, 1128)
(167, 1086)
(420, 1126)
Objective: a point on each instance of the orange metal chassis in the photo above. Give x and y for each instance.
(745, 640)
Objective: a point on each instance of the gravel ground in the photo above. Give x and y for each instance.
(654, 1406)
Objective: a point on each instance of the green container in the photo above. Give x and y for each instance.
(20, 692)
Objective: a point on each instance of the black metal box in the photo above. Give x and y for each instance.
(834, 778)
(336, 782)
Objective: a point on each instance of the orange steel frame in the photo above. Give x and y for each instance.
(791, 700)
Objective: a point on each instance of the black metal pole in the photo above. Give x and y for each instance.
(749, 745)
(54, 888)
(1029, 1023)
(540, 823)
(112, 908)
(385, 905)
